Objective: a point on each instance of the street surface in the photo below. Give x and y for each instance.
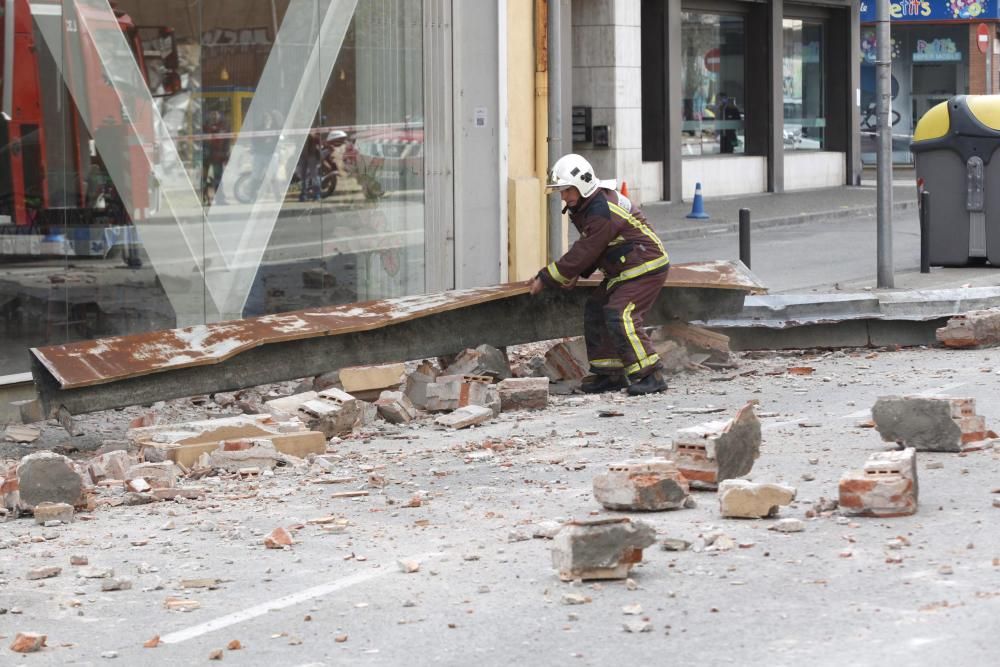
(844, 592)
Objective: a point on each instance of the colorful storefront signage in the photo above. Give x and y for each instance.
(936, 51)
(934, 10)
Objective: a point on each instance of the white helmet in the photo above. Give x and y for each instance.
(573, 170)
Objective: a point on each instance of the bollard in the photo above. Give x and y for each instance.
(925, 236)
(745, 236)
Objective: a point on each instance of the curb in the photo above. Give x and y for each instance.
(713, 229)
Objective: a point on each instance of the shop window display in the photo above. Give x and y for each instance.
(803, 85)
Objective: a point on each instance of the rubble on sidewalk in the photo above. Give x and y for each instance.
(886, 487)
(712, 347)
(716, 451)
(396, 408)
(48, 477)
(451, 392)
(600, 548)
(28, 642)
(523, 394)
(367, 382)
(46, 512)
(742, 499)
(415, 385)
(977, 328)
(21, 434)
(929, 423)
(566, 360)
(484, 360)
(651, 485)
(470, 415)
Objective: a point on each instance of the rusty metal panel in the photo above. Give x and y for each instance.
(95, 362)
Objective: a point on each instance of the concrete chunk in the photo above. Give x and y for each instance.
(977, 328)
(48, 477)
(470, 415)
(367, 382)
(742, 499)
(237, 454)
(523, 394)
(415, 385)
(157, 475)
(715, 451)
(484, 360)
(451, 392)
(53, 512)
(396, 408)
(110, 465)
(929, 423)
(651, 485)
(600, 548)
(886, 487)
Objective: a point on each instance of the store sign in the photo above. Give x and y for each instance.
(937, 51)
(933, 10)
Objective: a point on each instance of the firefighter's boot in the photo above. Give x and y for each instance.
(598, 384)
(651, 384)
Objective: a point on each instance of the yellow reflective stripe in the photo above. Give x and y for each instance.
(606, 363)
(636, 271)
(640, 351)
(554, 272)
(634, 221)
(618, 240)
(645, 363)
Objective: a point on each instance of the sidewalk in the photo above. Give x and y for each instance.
(775, 210)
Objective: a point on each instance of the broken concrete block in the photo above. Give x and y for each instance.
(673, 356)
(715, 451)
(651, 485)
(415, 385)
(929, 423)
(21, 434)
(567, 360)
(332, 412)
(110, 465)
(48, 477)
(742, 499)
(43, 573)
(233, 455)
(523, 394)
(600, 548)
(695, 337)
(451, 392)
(278, 539)
(367, 382)
(157, 475)
(886, 487)
(300, 445)
(28, 642)
(470, 415)
(53, 512)
(977, 328)
(484, 360)
(396, 408)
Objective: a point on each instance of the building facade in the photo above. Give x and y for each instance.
(940, 48)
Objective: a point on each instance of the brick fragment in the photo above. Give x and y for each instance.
(484, 360)
(451, 392)
(651, 485)
(715, 451)
(929, 423)
(233, 455)
(742, 499)
(110, 465)
(28, 642)
(53, 512)
(886, 487)
(567, 360)
(396, 408)
(600, 548)
(43, 573)
(977, 328)
(523, 394)
(157, 475)
(415, 385)
(470, 415)
(278, 539)
(48, 477)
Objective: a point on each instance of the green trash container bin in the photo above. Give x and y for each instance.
(953, 147)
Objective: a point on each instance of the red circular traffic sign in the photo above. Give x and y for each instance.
(982, 37)
(712, 59)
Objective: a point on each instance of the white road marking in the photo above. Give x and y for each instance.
(250, 613)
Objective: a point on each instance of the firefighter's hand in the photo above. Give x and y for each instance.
(536, 286)
(571, 284)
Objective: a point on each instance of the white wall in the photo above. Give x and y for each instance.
(722, 176)
(652, 182)
(805, 170)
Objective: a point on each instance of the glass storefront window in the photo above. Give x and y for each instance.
(184, 161)
(713, 76)
(803, 85)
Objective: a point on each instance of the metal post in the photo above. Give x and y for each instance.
(883, 75)
(555, 121)
(925, 232)
(745, 236)
(8, 59)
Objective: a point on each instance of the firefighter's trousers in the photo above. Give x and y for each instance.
(612, 327)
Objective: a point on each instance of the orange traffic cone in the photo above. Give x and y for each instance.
(624, 188)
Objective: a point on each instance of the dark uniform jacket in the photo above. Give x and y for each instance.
(614, 238)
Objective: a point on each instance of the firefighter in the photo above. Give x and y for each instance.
(615, 239)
